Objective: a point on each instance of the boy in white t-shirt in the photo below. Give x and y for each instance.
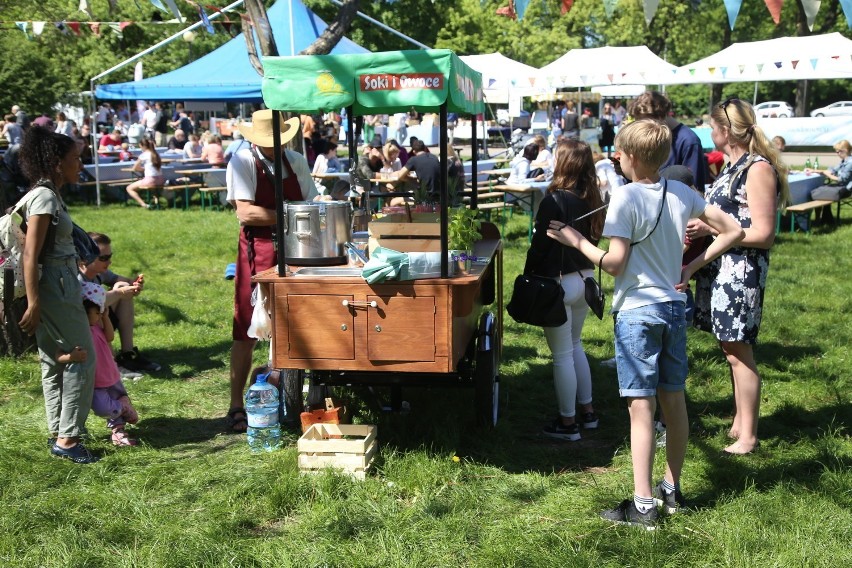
(646, 223)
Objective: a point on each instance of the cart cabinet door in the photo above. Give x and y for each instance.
(401, 328)
(320, 327)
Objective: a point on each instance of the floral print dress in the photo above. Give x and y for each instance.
(729, 290)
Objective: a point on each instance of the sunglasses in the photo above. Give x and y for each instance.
(105, 257)
(724, 106)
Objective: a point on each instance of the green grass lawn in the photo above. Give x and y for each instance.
(443, 493)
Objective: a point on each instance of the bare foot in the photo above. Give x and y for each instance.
(739, 448)
(76, 355)
(733, 434)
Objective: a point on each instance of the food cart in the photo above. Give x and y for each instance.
(329, 320)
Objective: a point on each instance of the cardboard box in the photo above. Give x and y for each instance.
(350, 448)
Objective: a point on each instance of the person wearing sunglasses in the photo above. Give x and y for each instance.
(841, 181)
(729, 290)
(120, 300)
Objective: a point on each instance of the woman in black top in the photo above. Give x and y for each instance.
(572, 194)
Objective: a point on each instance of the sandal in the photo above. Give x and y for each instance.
(122, 438)
(238, 419)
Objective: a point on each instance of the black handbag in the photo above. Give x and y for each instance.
(594, 294)
(538, 300)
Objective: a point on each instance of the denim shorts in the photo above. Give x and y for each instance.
(650, 349)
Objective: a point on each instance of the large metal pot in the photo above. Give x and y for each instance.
(315, 232)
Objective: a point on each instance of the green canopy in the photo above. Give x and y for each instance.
(373, 83)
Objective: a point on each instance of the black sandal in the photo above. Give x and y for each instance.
(236, 423)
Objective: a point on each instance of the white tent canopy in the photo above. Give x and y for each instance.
(502, 75)
(826, 56)
(607, 66)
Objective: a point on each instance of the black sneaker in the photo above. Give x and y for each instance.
(670, 502)
(135, 361)
(557, 429)
(77, 453)
(627, 514)
(590, 420)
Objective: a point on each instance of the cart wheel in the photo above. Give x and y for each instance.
(486, 378)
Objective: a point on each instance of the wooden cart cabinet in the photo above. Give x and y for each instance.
(343, 323)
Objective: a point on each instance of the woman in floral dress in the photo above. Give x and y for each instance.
(729, 291)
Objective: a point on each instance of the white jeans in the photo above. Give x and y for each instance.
(571, 374)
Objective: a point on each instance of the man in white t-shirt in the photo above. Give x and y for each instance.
(251, 191)
(149, 120)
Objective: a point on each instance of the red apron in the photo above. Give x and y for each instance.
(256, 251)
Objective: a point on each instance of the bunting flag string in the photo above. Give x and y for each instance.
(847, 11)
(775, 9)
(811, 8)
(732, 7)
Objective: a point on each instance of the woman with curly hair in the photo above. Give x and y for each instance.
(572, 194)
(54, 312)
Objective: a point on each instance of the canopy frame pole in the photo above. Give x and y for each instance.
(278, 166)
(444, 201)
(386, 27)
(130, 60)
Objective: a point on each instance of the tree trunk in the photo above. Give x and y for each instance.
(335, 31)
(801, 85)
(716, 92)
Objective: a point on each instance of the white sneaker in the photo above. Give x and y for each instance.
(608, 363)
(128, 374)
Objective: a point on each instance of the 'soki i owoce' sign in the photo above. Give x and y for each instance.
(401, 81)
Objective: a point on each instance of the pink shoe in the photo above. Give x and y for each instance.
(122, 438)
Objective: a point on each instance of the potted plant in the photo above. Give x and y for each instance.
(462, 234)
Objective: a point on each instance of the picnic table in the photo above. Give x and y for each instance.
(526, 194)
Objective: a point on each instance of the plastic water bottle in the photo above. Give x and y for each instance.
(264, 431)
(816, 163)
(808, 163)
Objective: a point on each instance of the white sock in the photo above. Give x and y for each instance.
(643, 504)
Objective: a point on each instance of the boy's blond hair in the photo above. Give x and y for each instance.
(648, 141)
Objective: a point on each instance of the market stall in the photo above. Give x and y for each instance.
(421, 331)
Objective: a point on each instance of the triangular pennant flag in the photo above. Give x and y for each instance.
(75, 27)
(158, 4)
(813, 63)
(811, 8)
(116, 28)
(532, 81)
(609, 7)
(775, 9)
(742, 69)
(692, 72)
(650, 7)
(733, 9)
(609, 76)
(779, 64)
(583, 78)
(760, 67)
(795, 63)
(508, 11)
(61, 27)
(207, 25)
(23, 27)
(38, 28)
(96, 28)
(173, 7)
(566, 6)
(847, 10)
(521, 8)
(724, 71)
(84, 7)
(711, 70)
(122, 25)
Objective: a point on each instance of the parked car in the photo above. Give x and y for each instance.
(773, 109)
(834, 109)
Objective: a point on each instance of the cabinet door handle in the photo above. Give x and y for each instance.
(355, 304)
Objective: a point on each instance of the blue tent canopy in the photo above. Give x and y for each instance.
(226, 73)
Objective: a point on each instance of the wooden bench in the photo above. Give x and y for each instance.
(804, 208)
(211, 193)
(489, 207)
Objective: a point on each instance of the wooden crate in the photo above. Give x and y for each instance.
(395, 232)
(350, 448)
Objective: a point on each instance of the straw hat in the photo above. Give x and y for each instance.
(259, 132)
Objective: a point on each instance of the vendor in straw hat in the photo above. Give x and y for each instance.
(250, 183)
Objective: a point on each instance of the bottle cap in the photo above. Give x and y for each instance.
(261, 379)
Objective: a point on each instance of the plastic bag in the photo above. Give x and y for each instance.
(261, 323)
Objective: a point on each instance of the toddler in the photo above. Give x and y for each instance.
(110, 398)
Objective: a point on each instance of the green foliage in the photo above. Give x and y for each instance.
(462, 228)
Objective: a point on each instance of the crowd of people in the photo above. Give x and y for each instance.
(665, 235)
